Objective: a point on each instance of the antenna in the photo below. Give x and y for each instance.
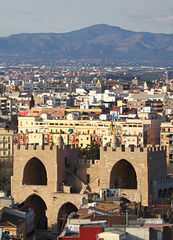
(102, 90)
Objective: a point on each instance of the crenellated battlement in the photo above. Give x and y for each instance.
(45, 147)
(134, 149)
(122, 148)
(88, 163)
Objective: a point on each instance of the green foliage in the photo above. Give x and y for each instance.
(90, 152)
(4, 181)
(5, 174)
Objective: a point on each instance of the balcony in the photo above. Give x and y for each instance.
(170, 136)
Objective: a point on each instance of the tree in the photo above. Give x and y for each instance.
(90, 152)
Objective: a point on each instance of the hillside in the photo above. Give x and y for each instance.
(96, 42)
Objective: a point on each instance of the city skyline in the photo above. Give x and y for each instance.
(65, 16)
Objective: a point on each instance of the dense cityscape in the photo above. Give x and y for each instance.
(86, 152)
(86, 120)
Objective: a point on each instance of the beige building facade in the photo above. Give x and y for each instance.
(6, 157)
(138, 132)
(166, 139)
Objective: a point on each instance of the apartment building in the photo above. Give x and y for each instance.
(5, 108)
(140, 105)
(166, 139)
(6, 157)
(137, 132)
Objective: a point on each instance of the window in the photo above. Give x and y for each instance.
(159, 235)
(88, 178)
(66, 162)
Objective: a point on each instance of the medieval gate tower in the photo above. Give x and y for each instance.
(53, 180)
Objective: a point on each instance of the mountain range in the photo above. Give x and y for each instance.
(104, 42)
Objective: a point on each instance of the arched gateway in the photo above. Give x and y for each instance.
(39, 207)
(65, 210)
(123, 175)
(34, 173)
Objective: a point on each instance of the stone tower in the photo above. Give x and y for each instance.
(53, 180)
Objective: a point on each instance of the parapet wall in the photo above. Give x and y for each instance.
(88, 163)
(122, 148)
(103, 150)
(134, 149)
(45, 147)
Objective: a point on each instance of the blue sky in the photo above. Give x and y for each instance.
(19, 16)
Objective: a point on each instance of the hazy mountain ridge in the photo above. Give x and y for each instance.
(98, 41)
